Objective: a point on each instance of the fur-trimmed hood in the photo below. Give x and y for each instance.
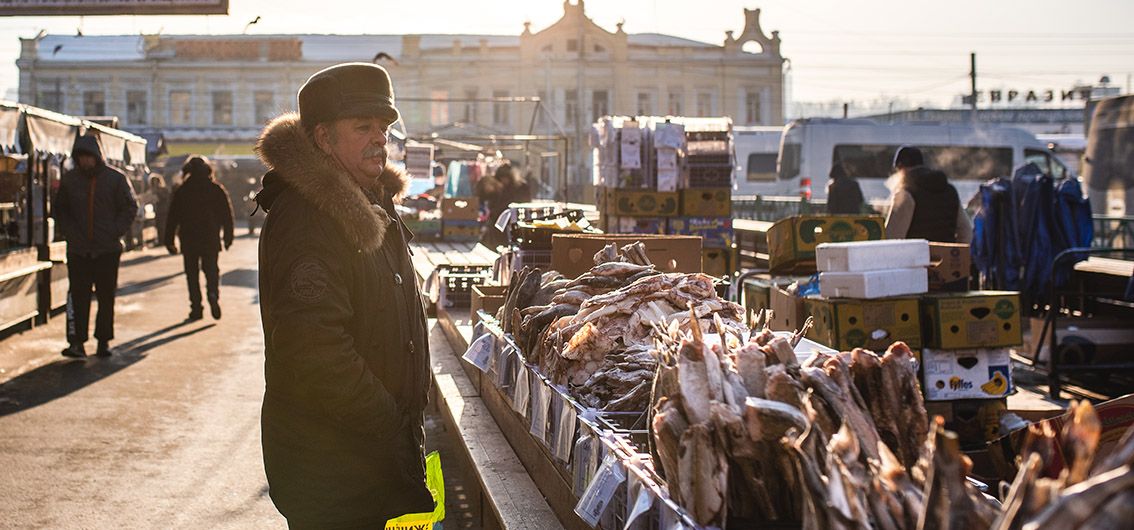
(295, 162)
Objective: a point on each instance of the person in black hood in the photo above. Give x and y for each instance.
(924, 205)
(844, 196)
(93, 209)
(201, 208)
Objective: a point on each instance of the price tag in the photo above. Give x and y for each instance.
(479, 353)
(520, 399)
(641, 499)
(566, 433)
(596, 499)
(582, 470)
(540, 397)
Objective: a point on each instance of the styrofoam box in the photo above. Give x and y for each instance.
(859, 256)
(966, 374)
(874, 284)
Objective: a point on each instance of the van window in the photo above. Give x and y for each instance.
(1039, 158)
(761, 166)
(958, 163)
(789, 161)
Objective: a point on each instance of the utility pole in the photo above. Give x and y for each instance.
(972, 80)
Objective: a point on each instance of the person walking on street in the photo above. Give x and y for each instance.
(498, 191)
(844, 196)
(345, 337)
(201, 208)
(923, 204)
(93, 209)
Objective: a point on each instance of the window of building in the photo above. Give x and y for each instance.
(50, 99)
(572, 45)
(705, 106)
(264, 105)
(675, 99)
(751, 107)
(180, 107)
(136, 107)
(600, 104)
(470, 105)
(222, 107)
(599, 49)
(645, 103)
(500, 114)
(94, 103)
(439, 107)
(571, 107)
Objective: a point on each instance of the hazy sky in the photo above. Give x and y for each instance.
(917, 50)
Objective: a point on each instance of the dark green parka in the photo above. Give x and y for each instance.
(346, 352)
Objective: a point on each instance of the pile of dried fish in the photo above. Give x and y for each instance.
(746, 434)
(593, 333)
(1085, 493)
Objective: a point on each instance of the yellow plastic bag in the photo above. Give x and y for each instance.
(435, 481)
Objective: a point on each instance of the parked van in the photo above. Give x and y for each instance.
(968, 154)
(757, 148)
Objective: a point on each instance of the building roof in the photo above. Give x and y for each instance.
(315, 48)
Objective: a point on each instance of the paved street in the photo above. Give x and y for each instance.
(165, 434)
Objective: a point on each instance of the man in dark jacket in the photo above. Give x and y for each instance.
(923, 204)
(93, 208)
(346, 351)
(844, 196)
(201, 208)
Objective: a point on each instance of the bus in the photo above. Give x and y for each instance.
(969, 155)
(756, 148)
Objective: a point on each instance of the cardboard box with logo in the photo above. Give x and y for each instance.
(974, 319)
(715, 232)
(460, 208)
(640, 202)
(787, 310)
(845, 324)
(717, 261)
(950, 266)
(634, 225)
(792, 241)
(981, 373)
(573, 254)
(976, 421)
(706, 202)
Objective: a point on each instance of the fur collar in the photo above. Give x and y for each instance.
(291, 154)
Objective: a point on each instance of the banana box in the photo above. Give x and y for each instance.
(792, 241)
(845, 323)
(633, 202)
(982, 373)
(973, 319)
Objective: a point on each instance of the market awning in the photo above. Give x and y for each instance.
(50, 132)
(9, 128)
(135, 152)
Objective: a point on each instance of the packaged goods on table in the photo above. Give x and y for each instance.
(974, 319)
(873, 284)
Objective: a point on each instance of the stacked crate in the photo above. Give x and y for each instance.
(705, 194)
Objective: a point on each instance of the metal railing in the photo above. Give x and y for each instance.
(1114, 231)
(774, 208)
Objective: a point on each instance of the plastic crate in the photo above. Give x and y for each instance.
(710, 176)
(710, 159)
(456, 283)
(540, 259)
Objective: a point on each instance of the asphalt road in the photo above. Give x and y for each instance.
(165, 434)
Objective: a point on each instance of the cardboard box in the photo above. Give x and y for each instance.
(490, 298)
(787, 311)
(792, 241)
(974, 319)
(1083, 340)
(573, 254)
(641, 202)
(717, 262)
(976, 421)
(966, 374)
(715, 232)
(845, 324)
(635, 225)
(460, 208)
(859, 256)
(706, 202)
(873, 284)
(950, 266)
(460, 230)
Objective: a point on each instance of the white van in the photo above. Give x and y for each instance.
(757, 147)
(968, 154)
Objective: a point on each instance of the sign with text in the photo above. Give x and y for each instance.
(113, 7)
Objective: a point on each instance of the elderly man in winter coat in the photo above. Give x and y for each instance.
(923, 204)
(345, 337)
(93, 209)
(200, 210)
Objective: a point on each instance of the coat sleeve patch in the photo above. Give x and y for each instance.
(308, 281)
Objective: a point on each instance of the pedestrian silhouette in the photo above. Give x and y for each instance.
(200, 209)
